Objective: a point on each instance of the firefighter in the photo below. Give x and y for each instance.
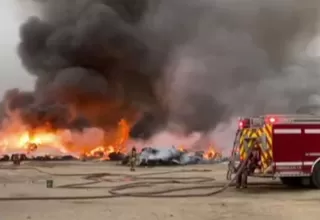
(16, 159)
(249, 166)
(133, 159)
(242, 175)
(254, 161)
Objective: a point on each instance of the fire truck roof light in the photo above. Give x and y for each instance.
(272, 120)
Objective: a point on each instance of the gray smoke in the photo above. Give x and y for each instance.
(237, 57)
(193, 63)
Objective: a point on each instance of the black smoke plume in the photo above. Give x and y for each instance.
(192, 63)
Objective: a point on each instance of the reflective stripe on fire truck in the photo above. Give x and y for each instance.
(312, 131)
(268, 154)
(291, 174)
(308, 163)
(246, 135)
(247, 139)
(312, 154)
(297, 163)
(287, 131)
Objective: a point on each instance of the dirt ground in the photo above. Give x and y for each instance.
(267, 201)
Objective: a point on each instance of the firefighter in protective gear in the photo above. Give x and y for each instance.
(249, 165)
(16, 159)
(133, 159)
(254, 161)
(242, 176)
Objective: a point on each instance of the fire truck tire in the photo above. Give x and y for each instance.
(291, 181)
(315, 178)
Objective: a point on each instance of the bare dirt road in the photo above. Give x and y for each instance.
(269, 201)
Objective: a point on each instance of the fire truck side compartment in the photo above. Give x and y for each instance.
(311, 146)
(296, 151)
(287, 146)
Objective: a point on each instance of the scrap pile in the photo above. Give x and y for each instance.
(152, 156)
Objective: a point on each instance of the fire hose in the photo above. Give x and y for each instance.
(114, 192)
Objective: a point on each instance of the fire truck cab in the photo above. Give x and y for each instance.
(290, 147)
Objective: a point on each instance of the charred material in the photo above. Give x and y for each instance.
(53, 158)
(116, 156)
(18, 158)
(4, 158)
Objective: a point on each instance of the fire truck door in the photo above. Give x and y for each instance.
(288, 148)
(311, 147)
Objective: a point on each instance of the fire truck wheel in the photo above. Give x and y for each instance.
(291, 181)
(315, 178)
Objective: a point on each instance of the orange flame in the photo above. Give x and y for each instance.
(92, 144)
(16, 137)
(212, 153)
(181, 148)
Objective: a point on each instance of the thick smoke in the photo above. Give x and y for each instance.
(191, 63)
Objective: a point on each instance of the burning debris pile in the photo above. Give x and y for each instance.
(152, 156)
(90, 143)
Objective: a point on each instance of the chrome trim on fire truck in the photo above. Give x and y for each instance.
(287, 131)
(312, 131)
(308, 163)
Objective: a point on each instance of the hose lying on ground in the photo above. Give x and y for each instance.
(114, 191)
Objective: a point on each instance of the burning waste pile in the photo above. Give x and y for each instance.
(45, 144)
(112, 71)
(151, 156)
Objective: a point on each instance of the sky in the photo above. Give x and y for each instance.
(12, 74)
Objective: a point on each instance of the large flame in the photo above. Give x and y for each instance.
(92, 142)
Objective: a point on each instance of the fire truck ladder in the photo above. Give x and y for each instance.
(232, 161)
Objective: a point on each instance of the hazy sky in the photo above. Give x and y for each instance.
(12, 73)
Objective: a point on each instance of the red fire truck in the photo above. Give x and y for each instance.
(290, 146)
